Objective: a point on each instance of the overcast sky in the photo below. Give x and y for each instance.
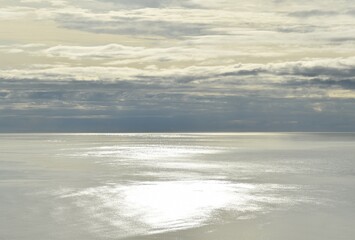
(170, 65)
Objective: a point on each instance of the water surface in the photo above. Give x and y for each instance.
(177, 186)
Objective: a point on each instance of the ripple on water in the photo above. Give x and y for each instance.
(162, 206)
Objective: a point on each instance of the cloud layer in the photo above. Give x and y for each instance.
(165, 65)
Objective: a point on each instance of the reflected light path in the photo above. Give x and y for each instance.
(156, 185)
(161, 206)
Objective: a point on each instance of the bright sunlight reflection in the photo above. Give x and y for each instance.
(160, 206)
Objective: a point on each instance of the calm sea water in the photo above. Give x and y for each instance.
(177, 186)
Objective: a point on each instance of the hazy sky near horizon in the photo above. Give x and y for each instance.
(169, 65)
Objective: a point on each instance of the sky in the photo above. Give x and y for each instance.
(180, 66)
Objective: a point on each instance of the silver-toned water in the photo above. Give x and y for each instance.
(177, 186)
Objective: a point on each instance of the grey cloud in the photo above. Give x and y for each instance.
(324, 83)
(244, 72)
(351, 12)
(142, 3)
(336, 68)
(132, 26)
(87, 95)
(343, 39)
(220, 114)
(151, 3)
(312, 13)
(4, 94)
(96, 106)
(314, 71)
(344, 83)
(297, 29)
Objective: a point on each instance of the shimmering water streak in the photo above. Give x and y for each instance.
(160, 206)
(147, 152)
(182, 201)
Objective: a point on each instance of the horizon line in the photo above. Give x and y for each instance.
(172, 132)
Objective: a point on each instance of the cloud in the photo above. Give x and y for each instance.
(225, 80)
(334, 67)
(151, 3)
(10, 13)
(313, 13)
(245, 22)
(138, 106)
(189, 64)
(106, 51)
(325, 83)
(116, 54)
(134, 23)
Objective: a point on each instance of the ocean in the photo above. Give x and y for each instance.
(188, 186)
